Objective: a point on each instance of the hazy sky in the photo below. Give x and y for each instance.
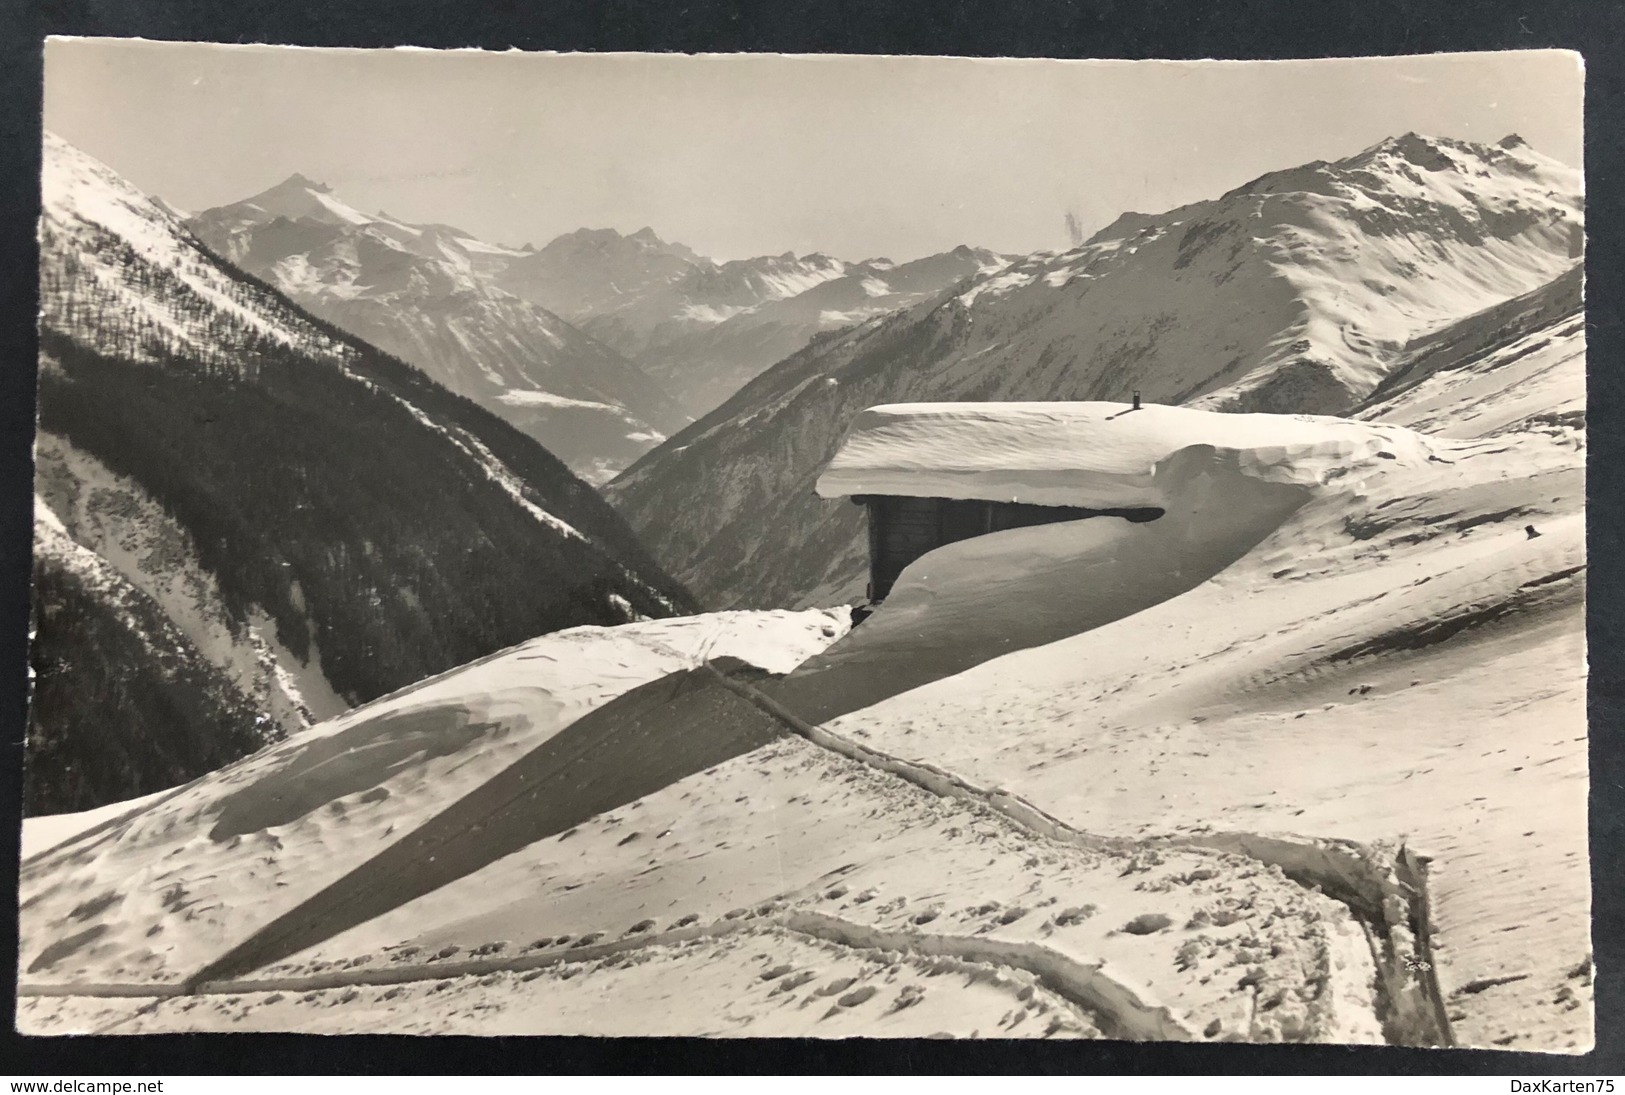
(751, 154)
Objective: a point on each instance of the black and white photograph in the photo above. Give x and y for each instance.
(828, 547)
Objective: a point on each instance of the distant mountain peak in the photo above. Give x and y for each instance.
(292, 186)
(605, 235)
(298, 198)
(1431, 153)
(1443, 153)
(298, 181)
(609, 240)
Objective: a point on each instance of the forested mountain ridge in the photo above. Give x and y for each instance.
(102, 645)
(348, 525)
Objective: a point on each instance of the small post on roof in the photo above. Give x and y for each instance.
(1136, 399)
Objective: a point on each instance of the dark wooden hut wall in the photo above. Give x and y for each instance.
(903, 528)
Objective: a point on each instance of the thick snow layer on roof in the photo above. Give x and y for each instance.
(1101, 455)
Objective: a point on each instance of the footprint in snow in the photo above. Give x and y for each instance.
(857, 996)
(793, 982)
(839, 985)
(1147, 924)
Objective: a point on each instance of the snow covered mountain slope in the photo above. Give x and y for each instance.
(1510, 363)
(865, 885)
(224, 453)
(114, 517)
(427, 293)
(1298, 292)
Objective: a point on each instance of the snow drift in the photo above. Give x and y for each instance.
(151, 892)
(1396, 659)
(1225, 483)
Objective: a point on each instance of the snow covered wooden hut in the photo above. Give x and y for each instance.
(932, 474)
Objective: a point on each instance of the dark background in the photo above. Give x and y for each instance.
(1238, 29)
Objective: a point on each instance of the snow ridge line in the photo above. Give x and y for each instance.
(1121, 1013)
(354, 977)
(1411, 872)
(938, 781)
(1382, 889)
(103, 989)
(1385, 890)
(1116, 1008)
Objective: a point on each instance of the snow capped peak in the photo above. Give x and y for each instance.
(1430, 154)
(593, 237)
(297, 181)
(296, 198)
(1410, 139)
(1510, 155)
(1338, 263)
(1397, 165)
(68, 172)
(1409, 144)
